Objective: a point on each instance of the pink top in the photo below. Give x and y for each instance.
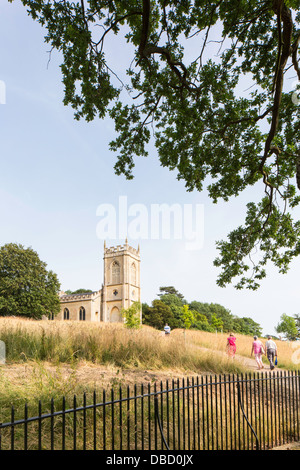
(231, 342)
(257, 345)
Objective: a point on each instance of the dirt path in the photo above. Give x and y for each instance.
(248, 362)
(290, 446)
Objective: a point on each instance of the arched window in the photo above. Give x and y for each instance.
(115, 315)
(82, 313)
(66, 314)
(133, 274)
(116, 273)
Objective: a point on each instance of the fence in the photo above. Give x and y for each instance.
(228, 412)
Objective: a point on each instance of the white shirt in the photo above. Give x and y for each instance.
(270, 344)
(167, 329)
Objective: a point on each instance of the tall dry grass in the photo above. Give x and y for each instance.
(57, 342)
(70, 342)
(288, 352)
(74, 343)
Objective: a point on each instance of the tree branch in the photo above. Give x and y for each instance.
(285, 53)
(117, 20)
(294, 56)
(145, 27)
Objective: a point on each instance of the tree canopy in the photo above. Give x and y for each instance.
(79, 291)
(288, 326)
(184, 87)
(170, 290)
(132, 316)
(178, 313)
(27, 288)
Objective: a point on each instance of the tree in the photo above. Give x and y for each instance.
(288, 327)
(172, 299)
(214, 311)
(188, 317)
(202, 308)
(79, 291)
(201, 322)
(216, 323)
(247, 326)
(158, 315)
(176, 303)
(132, 315)
(170, 290)
(187, 62)
(27, 289)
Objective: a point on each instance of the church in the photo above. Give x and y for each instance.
(120, 288)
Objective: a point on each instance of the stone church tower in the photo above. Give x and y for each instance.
(120, 288)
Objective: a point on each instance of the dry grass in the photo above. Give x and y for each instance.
(111, 344)
(53, 359)
(288, 352)
(54, 356)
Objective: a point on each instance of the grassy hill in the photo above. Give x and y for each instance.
(52, 358)
(113, 344)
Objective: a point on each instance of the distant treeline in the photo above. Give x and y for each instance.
(172, 308)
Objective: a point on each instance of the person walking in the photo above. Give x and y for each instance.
(258, 350)
(167, 329)
(271, 351)
(231, 346)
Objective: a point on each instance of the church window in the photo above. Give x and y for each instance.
(116, 273)
(66, 314)
(82, 313)
(115, 315)
(133, 274)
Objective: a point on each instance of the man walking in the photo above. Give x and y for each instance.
(271, 351)
(167, 329)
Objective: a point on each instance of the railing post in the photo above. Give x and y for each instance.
(244, 414)
(159, 422)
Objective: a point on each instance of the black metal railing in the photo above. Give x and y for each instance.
(225, 412)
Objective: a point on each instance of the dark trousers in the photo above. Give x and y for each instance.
(271, 356)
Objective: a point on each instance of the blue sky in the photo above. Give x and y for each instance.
(55, 172)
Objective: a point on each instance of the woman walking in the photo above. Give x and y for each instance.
(258, 350)
(231, 346)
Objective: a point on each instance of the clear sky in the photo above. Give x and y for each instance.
(56, 172)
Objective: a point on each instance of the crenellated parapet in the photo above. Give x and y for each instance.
(121, 249)
(76, 297)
